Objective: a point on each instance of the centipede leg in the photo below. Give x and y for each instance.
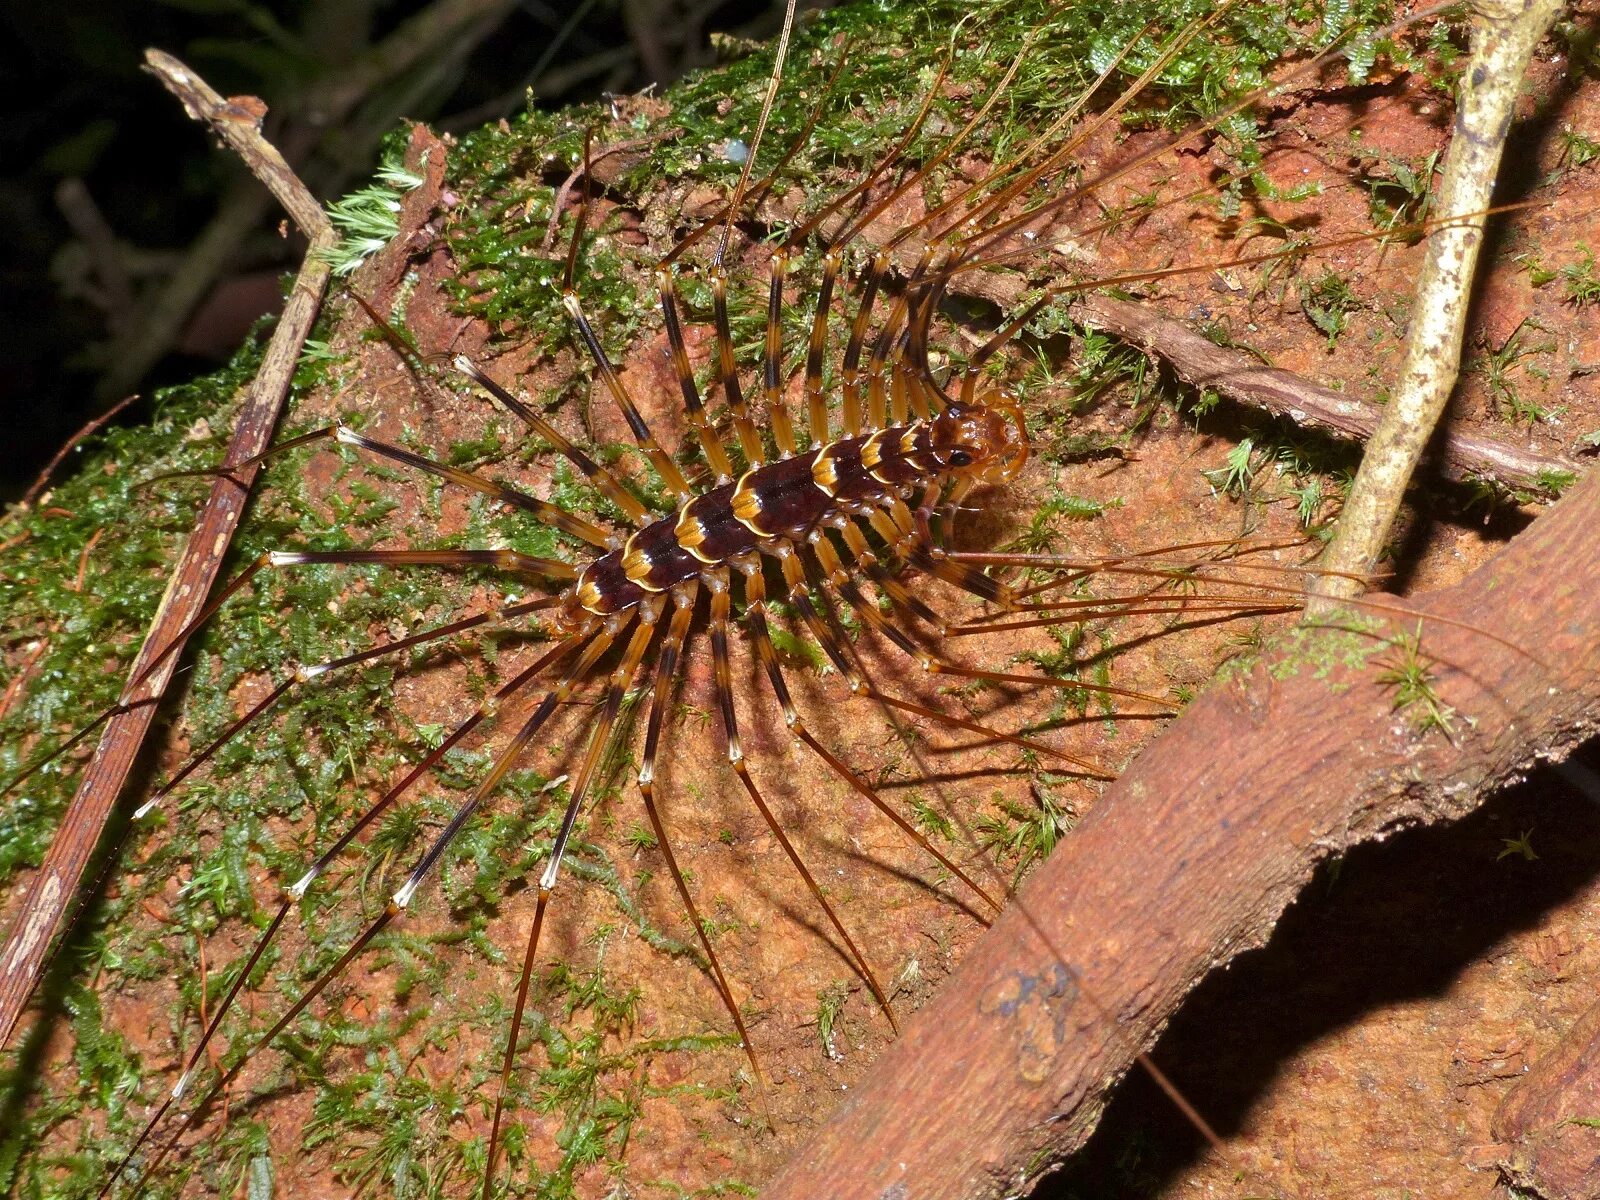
(597, 643)
(720, 607)
(684, 600)
(599, 742)
(760, 634)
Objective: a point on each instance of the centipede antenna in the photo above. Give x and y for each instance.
(773, 82)
(835, 574)
(1102, 120)
(1179, 141)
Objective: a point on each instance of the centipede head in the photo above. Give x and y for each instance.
(986, 439)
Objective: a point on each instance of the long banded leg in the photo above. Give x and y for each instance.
(715, 453)
(603, 480)
(296, 891)
(720, 606)
(825, 628)
(599, 742)
(550, 514)
(597, 644)
(850, 369)
(683, 600)
(772, 358)
(728, 371)
(816, 348)
(761, 635)
(304, 673)
(507, 560)
(671, 477)
(833, 570)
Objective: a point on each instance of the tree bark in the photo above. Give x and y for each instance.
(1192, 856)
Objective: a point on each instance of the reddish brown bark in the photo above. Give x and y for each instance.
(1547, 1121)
(1192, 856)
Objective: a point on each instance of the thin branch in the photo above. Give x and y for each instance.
(57, 883)
(1202, 363)
(1505, 35)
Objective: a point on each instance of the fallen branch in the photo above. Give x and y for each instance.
(1191, 857)
(52, 891)
(1202, 363)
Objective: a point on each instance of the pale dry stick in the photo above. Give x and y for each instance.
(1504, 37)
(47, 901)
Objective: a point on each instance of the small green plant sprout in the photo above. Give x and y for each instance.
(369, 218)
(830, 1004)
(1410, 673)
(1580, 281)
(1577, 149)
(1236, 476)
(1519, 846)
(1328, 300)
(1024, 834)
(1500, 370)
(1538, 273)
(1402, 194)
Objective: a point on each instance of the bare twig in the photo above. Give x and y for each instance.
(1202, 363)
(1504, 37)
(444, 31)
(47, 900)
(67, 448)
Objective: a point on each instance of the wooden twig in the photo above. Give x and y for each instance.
(1202, 363)
(47, 900)
(1504, 37)
(1193, 854)
(42, 480)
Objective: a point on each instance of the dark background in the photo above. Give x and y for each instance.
(105, 185)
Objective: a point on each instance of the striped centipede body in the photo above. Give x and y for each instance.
(826, 509)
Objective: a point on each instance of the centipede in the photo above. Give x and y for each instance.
(676, 612)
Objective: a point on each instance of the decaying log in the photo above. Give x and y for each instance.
(1546, 1123)
(1193, 855)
